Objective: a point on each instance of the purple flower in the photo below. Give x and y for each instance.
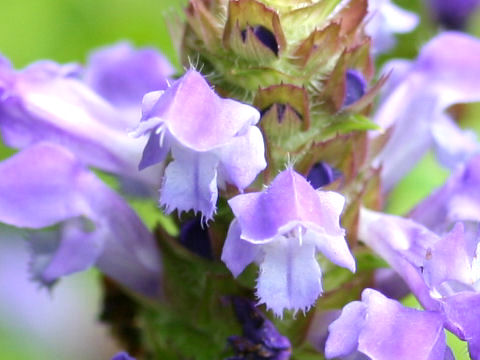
(385, 19)
(457, 200)
(213, 141)
(282, 228)
(122, 356)
(383, 329)
(260, 340)
(45, 185)
(52, 102)
(453, 14)
(444, 74)
(442, 272)
(123, 75)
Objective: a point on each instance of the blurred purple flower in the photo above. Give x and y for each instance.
(44, 319)
(453, 14)
(457, 200)
(123, 75)
(378, 328)
(445, 73)
(260, 340)
(282, 228)
(45, 185)
(57, 103)
(385, 19)
(122, 356)
(442, 272)
(213, 141)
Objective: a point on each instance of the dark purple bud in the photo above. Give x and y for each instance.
(281, 111)
(322, 174)
(453, 14)
(390, 284)
(194, 236)
(355, 86)
(265, 36)
(260, 340)
(122, 356)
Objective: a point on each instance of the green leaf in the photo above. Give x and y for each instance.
(351, 122)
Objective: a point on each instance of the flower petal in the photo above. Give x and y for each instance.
(385, 19)
(243, 158)
(190, 182)
(123, 75)
(457, 200)
(198, 118)
(289, 199)
(290, 277)
(45, 185)
(453, 145)
(462, 314)
(335, 248)
(388, 334)
(344, 332)
(381, 329)
(238, 253)
(60, 253)
(444, 74)
(45, 102)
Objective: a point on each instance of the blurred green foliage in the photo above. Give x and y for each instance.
(67, 30)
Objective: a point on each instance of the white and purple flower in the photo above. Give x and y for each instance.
(283, 228)
(378, 328)
(213, 141)
(442, 271)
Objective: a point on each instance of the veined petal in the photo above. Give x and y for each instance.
(198, 118)
(190, 182)
(335, 248)
(45, 185)
(156, 150)
(45, 102)
(290, 198)
(345, 330)
(403, 244)
(381, 329)
(243, 158)
(123, 75)
(462, 313)
(449, 259)
(290, 277)
(393, 323)
(237, 253)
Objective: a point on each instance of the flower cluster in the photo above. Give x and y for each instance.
(271, 163)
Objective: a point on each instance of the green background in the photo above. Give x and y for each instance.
(67, 30)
